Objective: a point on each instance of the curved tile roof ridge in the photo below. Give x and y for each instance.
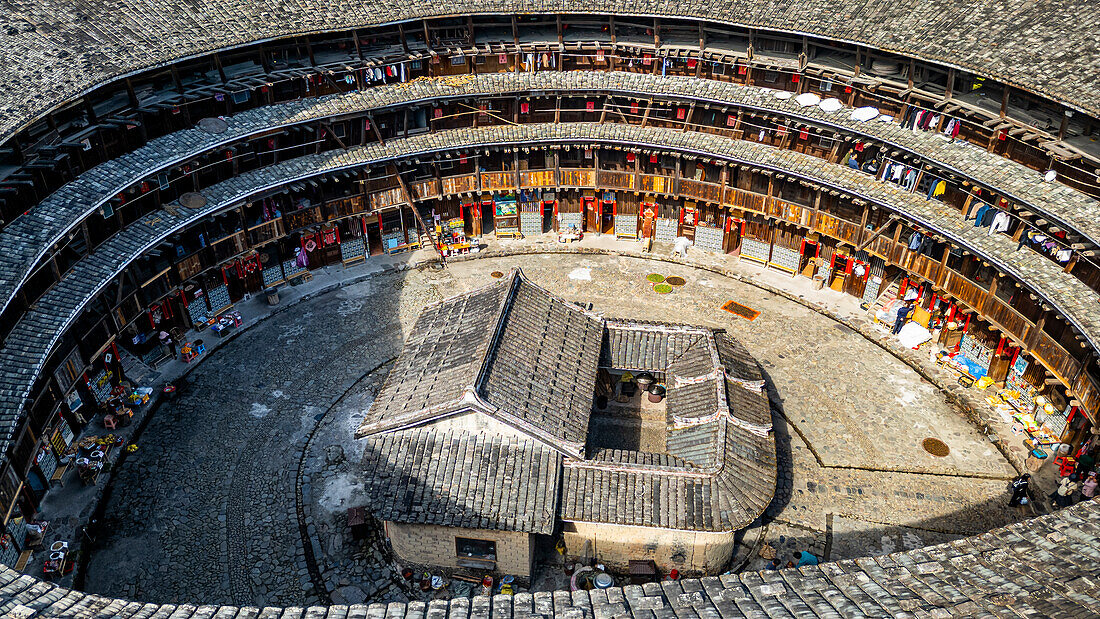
(29, 236)
(56, 50)
(1042, 567)
(36, 333)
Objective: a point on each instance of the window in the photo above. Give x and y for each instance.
(467, 548)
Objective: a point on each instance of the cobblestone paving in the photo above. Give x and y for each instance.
(207, 508)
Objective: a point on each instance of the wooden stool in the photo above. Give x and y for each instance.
(110, 422)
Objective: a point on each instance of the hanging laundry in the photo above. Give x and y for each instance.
(987, 217)
(980, 215)
(1000, 222)
(937, 188)
(1063, 255)
(915, 241)
(910, 180)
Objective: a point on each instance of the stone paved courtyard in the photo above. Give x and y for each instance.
(208, 508)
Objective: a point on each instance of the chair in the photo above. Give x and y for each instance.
(110, 422)
(199, 347)
(1066, 465)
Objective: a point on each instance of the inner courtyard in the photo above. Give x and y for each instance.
(280, 404)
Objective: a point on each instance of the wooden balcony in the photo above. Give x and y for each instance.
(464, 183)
(425, 190)
(700, 190)
(498, 181)
(386, 199)
(537, 178)
(267, 231)
(584, 178)
(609, 179)
(653, 183)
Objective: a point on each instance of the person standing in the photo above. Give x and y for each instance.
(902, 317)
(1088, 488)
(1019, 490)
(1085, 464)
(168, 343)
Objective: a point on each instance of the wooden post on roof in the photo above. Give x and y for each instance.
(645, 117)
(400, 33)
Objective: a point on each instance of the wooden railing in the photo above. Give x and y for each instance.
(536, 178)
(965, 290)
(1009, 319)
(609, 179)
(267, 231)
(744, 200)
(348, 206)
(386, 198)
(786, 211)
(227, 247)
(657, 184)
(710, 192)
(301, 218)
(498, 181)
(465, 183)
(1056, 358)
(425, 189)
(578, 178)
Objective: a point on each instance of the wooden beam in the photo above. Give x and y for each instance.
(407, 196)
(877, 233)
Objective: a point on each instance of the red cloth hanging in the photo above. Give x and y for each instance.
(804, 134)
(524, 108)
(590, 106)
(681, 113)
(692, 63)
(653, 158)
(633, 107)
(731, 120)
(795, 78)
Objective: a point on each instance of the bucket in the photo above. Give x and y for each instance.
(272, 296)
(603, 580)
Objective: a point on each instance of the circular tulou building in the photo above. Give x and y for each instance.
(583, 310)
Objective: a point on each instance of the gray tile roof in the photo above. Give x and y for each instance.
(727, 495)
(1043, 567)
(441, 358)
(27, 346)
(54, 50)
(524, 357)
(720, 471)
(429, 476)
(28, 237)
(543, 365)
(638, 345)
